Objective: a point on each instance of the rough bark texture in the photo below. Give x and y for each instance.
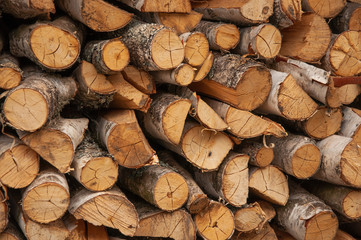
(27, 8)
(328, 8)
(286, 13)
(179, 6)
(351, 123)
(259, 154)
(348, 19)
(140, 79)
(182, 75)
(10, 72)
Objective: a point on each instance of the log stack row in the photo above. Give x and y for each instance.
(177, 119)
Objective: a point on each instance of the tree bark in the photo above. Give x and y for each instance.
(37, 100)
(57, 142)
(119, 132)
(140, 79)
(203, 70)
(240, 82)
(266, 233)
(351, 123)
(28, 9)
(98, 15)
(259, 154)
(348, 19)
(182, 75)
(328, 9)
(286, 13)
(10, 72)
(178, 6)
(52, 45)
(249, 218)
(196, 48)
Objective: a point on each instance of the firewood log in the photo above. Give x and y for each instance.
(355, 1)
(306, 40)
(286, 13)
(197, 200)
(27, 9)
(98, 15)
(196, 48)
(96, 232)
(282, 234)
(259, 154)
(220, 36)
(352, 228)
(108, 56)
(268, 209)
(52, 45)
(140, 79)
(19, 163)
(351, 124)
(341, 235)
(57, 142)
(215, 222)
(47, 198)
(328, 8)
(158, 185)
(306, 217)
(229, 182)
(179, 6)
(119, 132)
(110, 208)
(249, 218)
(11, 233)
(238, 12)
(93, 167)
(348, 19)
(263, 40)
(287, 99)
(4, 210)
(37, 100)
(182, 75)
(240, 82)
(10, 72)
(340, 161)
(269, 183)
(266, 233)
(76, 227)
(348, 93)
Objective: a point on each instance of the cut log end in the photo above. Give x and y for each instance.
(196, 49)
(264, 156)
(116, 55)
(205, 68)
(43, 5)
(328, 8)
(306, 161)
(140, 79)
(350, 166)
(199, 203)
(292, 9)
(227, 36)
(4, 212)
(95, 81)
(184, 75)
(37, 231)
(209, 117)
(352, 204)
(354, 22)
(54, 48)
(10, 78)
(321, 226)
(180, 22)
(257, 11)
(249, 218)
(268, 41)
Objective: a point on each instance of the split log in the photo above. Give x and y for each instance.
(249, 218)
(47, 198)
(263, 40)
(220, 36)
(108, 56)
(244, 124)
(344, 200)
(11, 233)
(179, 6)
(27, 9)
(348, 93)
(154, 222)
(287, 99)
(215, 222)
(19, 163)
(306, 40)
(76, 227)
(57, 142)
(119, 132)
(342, 57)
(96, 232)
(240, 82)
(341, 235)
(259, 154)
(306, 217)
(110, 208)
(98, 15)
(182, 75)
(238, 12)
(152, 47)
(351, 123)
(268, 209)
(203, 70)
(348, 19)
(93, 167)
(10, 73)
(266, 233)
(328, 8)
(196, 48)
(53, 45)
(127, 96)
(197, 200)
(269, 183)
(286, 13)
(340, 161)
(37, 100)
(296, 155)
(4, 210)
(94, 89)
(140, 79)
(158, 185)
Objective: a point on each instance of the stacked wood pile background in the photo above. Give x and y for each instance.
(180, 119)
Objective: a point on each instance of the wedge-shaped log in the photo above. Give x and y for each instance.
(179, 6)
(206, 67)
(328, 8)
(196, 48)
(10, 72)
(348, 19)
(28, 9)
(249, 218)
(140, 79)
(286, 13)
(259, 154)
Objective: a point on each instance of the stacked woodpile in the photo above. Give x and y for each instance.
(180, 119)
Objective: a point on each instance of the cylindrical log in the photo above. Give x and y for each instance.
(215, 222)
(348, 19)
(27, 9)
(220, 36)
(19, 163)
(152, 47)
(37, 100)
(249, 218)
(351, 123)
(342, 56)
(341, 235)
(179, 6)
(140, 79)
(269, 183)
(119, 132)
(196, 48)
(340, 161)
(265, 233)
(240, 82)
(229, 182)
(93, 167)
(263, 40)
(11, 233)
(306, 40)
(328, 8)
(259, 154)
(108, 56)
(287, 99)
(53, 45)
(296, 155)
(47, 198)
(306, 217)
(182, 75)
(4, 211)
(197, 200)
(98, 15)
(10, 73)
(286, 13)
(203, 70)
(57, 142)
(110, 208)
